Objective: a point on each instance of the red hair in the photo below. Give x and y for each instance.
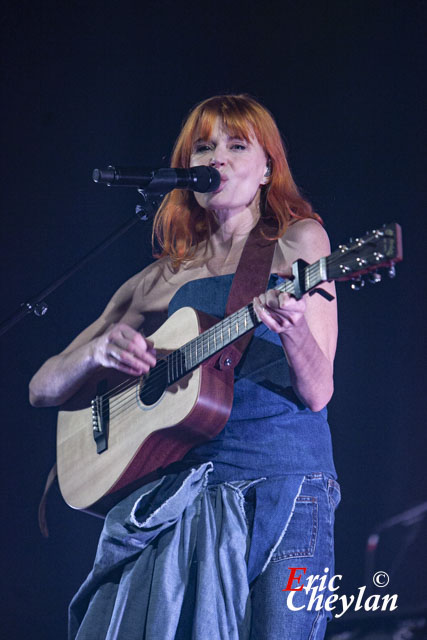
(180, 223)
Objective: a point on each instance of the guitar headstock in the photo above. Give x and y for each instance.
(376, 249)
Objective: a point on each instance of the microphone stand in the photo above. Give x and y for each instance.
(37, 304)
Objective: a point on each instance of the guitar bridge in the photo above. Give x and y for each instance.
(100, 417)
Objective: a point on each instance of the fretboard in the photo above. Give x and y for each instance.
(226, 331)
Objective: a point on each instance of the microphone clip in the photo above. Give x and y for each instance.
(151, 202)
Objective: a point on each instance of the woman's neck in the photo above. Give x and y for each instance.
(233, 227)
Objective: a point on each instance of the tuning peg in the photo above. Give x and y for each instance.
(374, 277)
(391, 271)
(357, 284)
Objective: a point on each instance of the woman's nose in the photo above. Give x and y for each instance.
(217, 160)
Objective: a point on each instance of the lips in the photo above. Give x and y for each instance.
(224, 179)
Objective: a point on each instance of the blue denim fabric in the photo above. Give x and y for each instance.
(172, 564)
(204, 551)
(307, 542)
(270, 433)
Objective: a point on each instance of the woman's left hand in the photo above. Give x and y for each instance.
(279, 311)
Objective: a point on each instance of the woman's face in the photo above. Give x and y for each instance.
(242, 166)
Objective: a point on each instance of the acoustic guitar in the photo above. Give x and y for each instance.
(117, 432)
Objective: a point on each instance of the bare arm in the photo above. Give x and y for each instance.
(111, 341)
(308, 327)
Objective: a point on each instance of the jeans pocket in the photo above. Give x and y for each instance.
(299, 540)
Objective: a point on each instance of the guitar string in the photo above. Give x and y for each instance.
(177, 362)
(119, 404)
(287, 283)
(131, 381)
(204, 339)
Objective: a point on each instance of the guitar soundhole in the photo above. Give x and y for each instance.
(154, 384)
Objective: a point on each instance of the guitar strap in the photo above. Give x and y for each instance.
(251, 279)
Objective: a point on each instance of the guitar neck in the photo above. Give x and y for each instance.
(226, 331)
(378, 248)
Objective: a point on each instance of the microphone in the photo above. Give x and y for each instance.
(200, 179)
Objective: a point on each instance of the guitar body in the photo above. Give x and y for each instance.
(141, 438)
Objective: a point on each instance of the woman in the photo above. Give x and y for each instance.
(207, 550)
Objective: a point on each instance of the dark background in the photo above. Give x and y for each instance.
(88, 84)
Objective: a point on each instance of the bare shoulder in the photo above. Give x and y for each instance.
(306, 239)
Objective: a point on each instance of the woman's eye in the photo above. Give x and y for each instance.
(239, 146)
(201, 148)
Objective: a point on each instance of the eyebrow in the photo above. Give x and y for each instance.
(228, 138)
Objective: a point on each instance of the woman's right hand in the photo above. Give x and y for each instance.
(111, 341)
(123, 348)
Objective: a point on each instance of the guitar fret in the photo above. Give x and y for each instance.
(323, 274)
(307, 278)
(220, 337)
